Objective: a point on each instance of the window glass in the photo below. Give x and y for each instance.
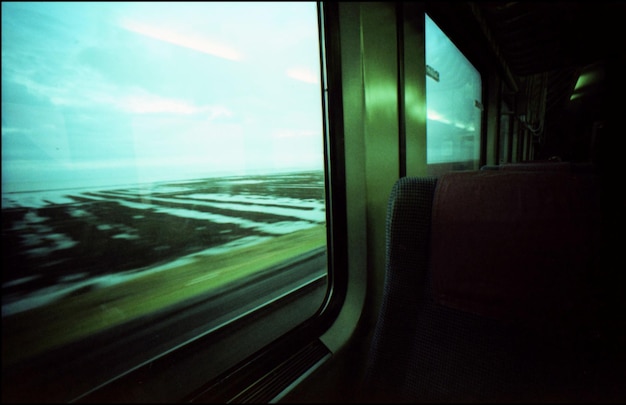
(454, 104)
(154, 153)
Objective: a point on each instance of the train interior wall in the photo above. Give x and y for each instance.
(384, 102)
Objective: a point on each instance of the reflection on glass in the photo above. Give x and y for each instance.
(454, 103)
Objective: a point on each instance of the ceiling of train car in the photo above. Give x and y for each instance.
(558, 38)
(537, 37)
(561, 38)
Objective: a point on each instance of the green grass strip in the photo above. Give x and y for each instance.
(73, 317)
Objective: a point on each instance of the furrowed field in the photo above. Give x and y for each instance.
(78, 261)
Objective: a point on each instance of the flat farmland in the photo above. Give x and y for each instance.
(78, 261)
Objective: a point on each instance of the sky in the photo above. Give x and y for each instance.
(121, 92)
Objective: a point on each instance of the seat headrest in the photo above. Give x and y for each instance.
(537, 166)
(515, 245)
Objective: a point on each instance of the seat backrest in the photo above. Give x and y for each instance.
(537, 166)
(495, 290)
(543, 166)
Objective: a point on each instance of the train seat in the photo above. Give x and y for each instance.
(540, 166)
(495, 292)
(537, 166)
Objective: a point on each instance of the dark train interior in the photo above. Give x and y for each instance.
(324, 317)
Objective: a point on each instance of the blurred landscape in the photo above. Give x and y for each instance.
(63, 243)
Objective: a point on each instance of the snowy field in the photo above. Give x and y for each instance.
(60, 241)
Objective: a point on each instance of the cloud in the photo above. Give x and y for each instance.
(294, 133)
(199, 44)
(303, 74)
(12, 130)
(142, 102)
(83, 89)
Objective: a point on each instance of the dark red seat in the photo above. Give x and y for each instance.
(498, 289)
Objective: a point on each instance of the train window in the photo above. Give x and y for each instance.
(454, 105)
(156, 156)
